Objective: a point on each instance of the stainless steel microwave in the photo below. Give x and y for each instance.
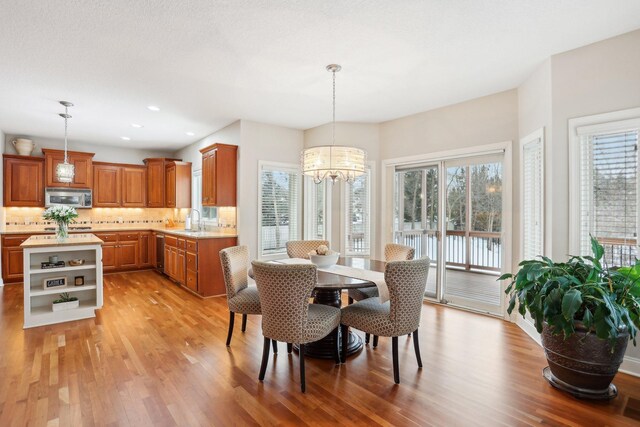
(74, 197)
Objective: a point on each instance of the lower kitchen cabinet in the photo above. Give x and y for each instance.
(12, 266)
(125, 250)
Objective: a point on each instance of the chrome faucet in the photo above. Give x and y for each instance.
(199, 218)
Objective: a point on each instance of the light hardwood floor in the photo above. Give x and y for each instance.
(156, 355)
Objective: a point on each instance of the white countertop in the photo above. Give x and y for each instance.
(99, 229)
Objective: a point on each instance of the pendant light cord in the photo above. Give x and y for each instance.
(66, 117)
(334, 108)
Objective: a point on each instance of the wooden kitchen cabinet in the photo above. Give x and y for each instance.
(123, 250)
(12, 264)
(147, 250)
(107, 185)
(157, 182)
(108, 257)
(134, 186)
(219, 175)
(23, 181)
(83, 163)
(178, 184)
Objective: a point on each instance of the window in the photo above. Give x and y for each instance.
(317, 208)
(605, 174)
(357, 216)
(209, 214)
(532, 194)
(278, 206)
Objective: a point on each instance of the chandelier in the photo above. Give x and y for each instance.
(337, 162)
(65, 171)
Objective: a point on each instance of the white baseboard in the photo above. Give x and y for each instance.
(630, 365)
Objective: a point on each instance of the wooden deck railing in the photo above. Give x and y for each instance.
(619, 252)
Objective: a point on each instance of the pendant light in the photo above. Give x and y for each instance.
(337, 162)
(65, 171)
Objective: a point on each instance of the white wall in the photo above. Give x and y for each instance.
(103, 153)
(227, 135)
(361, 135)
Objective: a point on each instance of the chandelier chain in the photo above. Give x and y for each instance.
(66, 117)
(334, 107)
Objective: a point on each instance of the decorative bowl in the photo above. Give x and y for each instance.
(324, 261)
(76, 262)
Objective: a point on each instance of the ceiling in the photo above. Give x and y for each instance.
(208, 63)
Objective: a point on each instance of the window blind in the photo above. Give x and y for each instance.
(315, 215)
(608, 194)
(358, 215)
(532, 199)
(279, 212)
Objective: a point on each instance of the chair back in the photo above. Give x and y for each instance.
(406, 281)
(301, 248)
(235, 263)
(396, 252)
(284, 291)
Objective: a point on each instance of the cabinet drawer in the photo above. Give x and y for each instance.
(192, 245)
(181, 243)
(129, 237)
(192, 280)
(171, 241)
(15, 240)
(192, 261)
(107, 237)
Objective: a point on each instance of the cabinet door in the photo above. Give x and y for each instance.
(134, 187)
(155, 184)
(168, 261)
(170, 187)
(192, 280)
(51, 163)
(145, 249)
(23, 181)
(127, 255)
(208, 164)
(181, 267)
(12, 267)
(83, 177)
(107, 183)
(82, 163)
(109, 256)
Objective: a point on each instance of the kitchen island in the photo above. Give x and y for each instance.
(50, 270)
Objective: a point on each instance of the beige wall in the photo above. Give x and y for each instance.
(103, 153)
(191, 153)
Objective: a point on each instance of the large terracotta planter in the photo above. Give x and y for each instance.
(583, 364)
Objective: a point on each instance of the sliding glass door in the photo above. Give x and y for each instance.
(460, 200)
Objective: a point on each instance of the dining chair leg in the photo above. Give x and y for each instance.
(344, 330)
(232, 317)
(394, 353)
(416, 347)
(350, 300)
(289, 347)
(367, 338)
(336, 347)
(265, 358)
(275, 346)
(375, 341)
(302, 380)
(244, 322)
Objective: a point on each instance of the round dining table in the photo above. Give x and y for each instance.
(328, 292)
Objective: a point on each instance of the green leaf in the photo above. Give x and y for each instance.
(512, 303)
(504, 277)
(596, 248)
(571, 302)
(587, 319)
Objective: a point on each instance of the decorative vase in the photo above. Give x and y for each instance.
(63, 230)
(583, 365)
(23, 146)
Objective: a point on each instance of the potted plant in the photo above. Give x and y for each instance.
(65, 302)
(62, 216)
(586, 313)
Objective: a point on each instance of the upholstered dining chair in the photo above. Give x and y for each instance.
(301, 248)
(398, 316)
(286, 313)
(392, 252)
(241, 298)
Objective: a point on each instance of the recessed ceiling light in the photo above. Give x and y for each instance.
(126, 138)
(153, 108)
(190, 133)
(137, 126)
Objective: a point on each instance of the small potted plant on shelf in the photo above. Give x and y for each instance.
(65, 302)
(62, 216)
(586, 313)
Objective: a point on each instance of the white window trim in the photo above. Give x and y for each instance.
(308, 207)
(598, 123)
(284, 166)
(372, 214)
(536, 137)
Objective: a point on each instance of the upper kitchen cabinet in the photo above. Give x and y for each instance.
(219, 168)
(83, 163)
(116, 185)
(178, 184)
(156, 181)
(23, 181)
(107, 185)
(134, 186)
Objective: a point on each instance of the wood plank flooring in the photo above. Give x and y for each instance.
(156, 355)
